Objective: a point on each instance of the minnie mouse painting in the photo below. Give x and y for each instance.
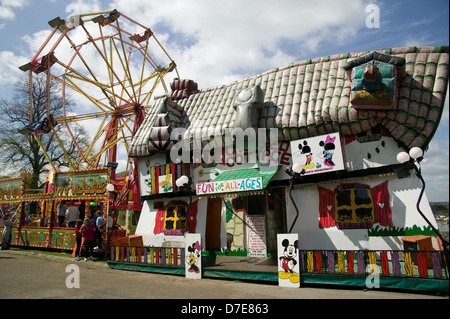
(328, 150)
(194, 255)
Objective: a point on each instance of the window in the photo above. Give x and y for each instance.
(373, 86)
(175, 218)
(354, 206)
(256, 204)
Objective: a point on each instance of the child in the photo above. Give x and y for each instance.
(78, 237)
(87, 232)
(6, 234)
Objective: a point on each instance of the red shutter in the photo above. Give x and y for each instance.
(192, 216)
(157, 173)
(159, 221)
(326, 208)
(382, 209)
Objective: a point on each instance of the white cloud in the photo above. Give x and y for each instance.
(226, 40)
(435, 166)
(435, 171)
(216, 42)
(9, 71)
(81, 6)
(7, 8)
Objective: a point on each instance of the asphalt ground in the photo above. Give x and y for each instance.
(34, 275)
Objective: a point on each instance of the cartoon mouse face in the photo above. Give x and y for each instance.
(304, 149)
(328, 145)
(195, 250)
(290, 250)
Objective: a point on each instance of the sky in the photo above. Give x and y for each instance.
(217, 42)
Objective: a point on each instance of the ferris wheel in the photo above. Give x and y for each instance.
(114, 65)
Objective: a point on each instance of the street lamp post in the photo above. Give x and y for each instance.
(412, 161)
(111, 190)
(296, 171)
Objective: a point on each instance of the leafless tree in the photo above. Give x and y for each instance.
(22, 152)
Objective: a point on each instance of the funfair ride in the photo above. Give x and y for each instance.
(114, 65)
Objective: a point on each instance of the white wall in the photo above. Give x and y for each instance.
(146, 223)
(403, 193)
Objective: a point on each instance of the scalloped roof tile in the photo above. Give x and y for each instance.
(312, 97)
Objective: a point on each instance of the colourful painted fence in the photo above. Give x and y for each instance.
(419, 264)
(164, 256)
(395, 263)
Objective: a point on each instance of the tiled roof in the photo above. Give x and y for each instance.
(312, 97)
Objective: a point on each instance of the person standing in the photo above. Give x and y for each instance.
(82, 209)
(61, 209)
(87, 232)
(7, 232)
(78, 238)
(99, 228)
(72, 214)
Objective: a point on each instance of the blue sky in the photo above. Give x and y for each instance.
(216, 42)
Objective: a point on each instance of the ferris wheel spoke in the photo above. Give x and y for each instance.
(148, 95)
(154, 37)
(142, 74)
(95, 139)
(126, 70)
(107, 146)
(103, 87)
(127, 60)
(82, 158)
(110, 75)
(61, 145)
(101, 106)
(86, 65)
(91, 39)
(142, 85)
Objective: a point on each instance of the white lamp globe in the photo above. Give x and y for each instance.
(415, 152)
(110, 188)
(402, 157)
(297, 168)
(183, 180)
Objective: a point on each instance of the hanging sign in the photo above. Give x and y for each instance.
(165, 184)
(231, 186)
(319, 154)
(81, 183)
(11, 189)
(256, 237)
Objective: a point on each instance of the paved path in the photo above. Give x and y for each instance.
(30, 274)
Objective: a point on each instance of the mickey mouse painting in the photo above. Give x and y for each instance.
(288, 261)
(306, 151)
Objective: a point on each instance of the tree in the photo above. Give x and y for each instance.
(22, 152)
